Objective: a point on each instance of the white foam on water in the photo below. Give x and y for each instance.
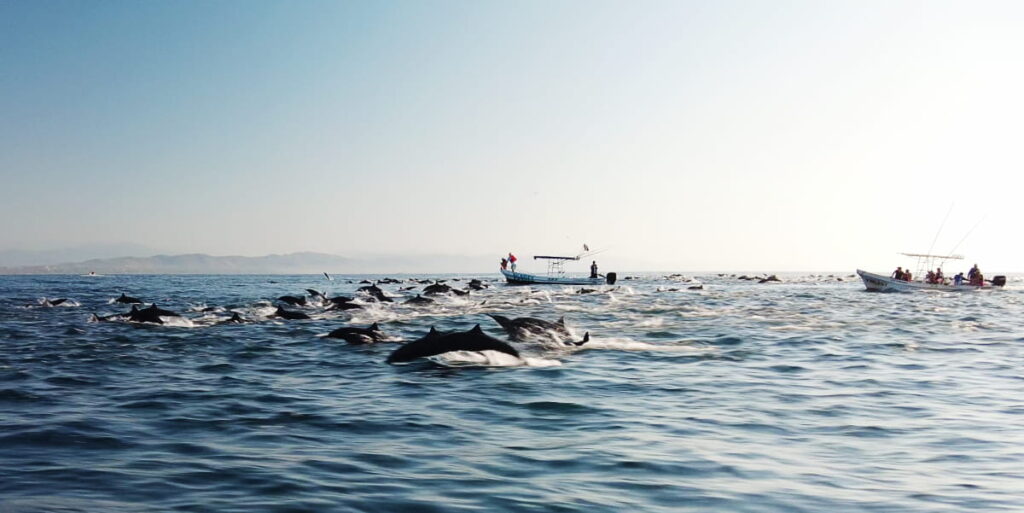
(489, 359)
(628, 344)
(178, 322)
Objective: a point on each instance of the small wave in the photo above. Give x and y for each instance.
(628, 344)
(490, 359)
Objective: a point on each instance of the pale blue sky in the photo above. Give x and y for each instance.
(692, 135)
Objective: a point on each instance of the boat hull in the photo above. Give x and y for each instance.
(514, 278)
(881, 283)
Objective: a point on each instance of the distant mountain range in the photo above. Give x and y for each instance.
(292, 263)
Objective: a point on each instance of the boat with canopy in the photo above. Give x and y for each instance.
(925, 262)
(556, 273)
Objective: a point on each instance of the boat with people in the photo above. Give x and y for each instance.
(555, 273)
(903, 281)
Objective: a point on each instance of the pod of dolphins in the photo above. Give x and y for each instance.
(434, 343)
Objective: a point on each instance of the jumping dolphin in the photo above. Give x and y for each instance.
(419, 300)
(358, 336)
(435, 343)
(288, 314)
(293, 300)
(128, 300)
(53, 302)
(528, 327)
(316, 293)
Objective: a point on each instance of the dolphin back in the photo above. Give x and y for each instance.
(433, 345)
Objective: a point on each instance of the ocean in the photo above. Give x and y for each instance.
(807, 395)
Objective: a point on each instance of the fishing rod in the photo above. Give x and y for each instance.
(941, 226)
(968, 233)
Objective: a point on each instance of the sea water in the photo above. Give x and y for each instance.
(807, 395)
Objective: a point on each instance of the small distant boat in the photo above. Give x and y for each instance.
(886, 283)
(556, 274)
(515, 278)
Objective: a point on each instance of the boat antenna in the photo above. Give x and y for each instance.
(968, 233)
(930, 248)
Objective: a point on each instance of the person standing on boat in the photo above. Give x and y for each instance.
(898, 273)
(512, 260)
(970, 274)
(504, 263)
(593, 269)
(907, 276)
(958, 280)
(939, 278)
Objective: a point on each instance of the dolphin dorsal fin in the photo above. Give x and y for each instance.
(374, 327)
(476, 329)
(561, 320)
(433, 332)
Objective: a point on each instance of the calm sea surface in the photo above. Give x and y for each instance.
(810, 395)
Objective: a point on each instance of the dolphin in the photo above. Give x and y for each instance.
(236, 319)
(529, 327)
(53, 302)
(339, 300)
(435, 343)
(476, 284)
(151, 314)
(128, 300)
(293, 300)
(343, 306)
(524, 327)
(436, 288)
(316, 293)
(376, 293)
(289, 314)
(458, 292)
(358, 336)
(419, 300)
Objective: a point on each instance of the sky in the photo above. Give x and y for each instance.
(671, 135)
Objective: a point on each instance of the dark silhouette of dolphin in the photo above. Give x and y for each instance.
(152, 314)
(419, 300)
(288, 314)
(524, 327)
(128, 300)
(435, 343)
(436, 289)
(53, 302)
(316, 293)
(375, 292)
(235, 319)
(339, 299)
(529, 327)
(476, 284)
(293, 300)
(358, 336)
(343, 306)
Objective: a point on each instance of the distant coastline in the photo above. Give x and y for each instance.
(292, 263)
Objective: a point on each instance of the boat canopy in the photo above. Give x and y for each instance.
(545, 257)
(934, 257)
